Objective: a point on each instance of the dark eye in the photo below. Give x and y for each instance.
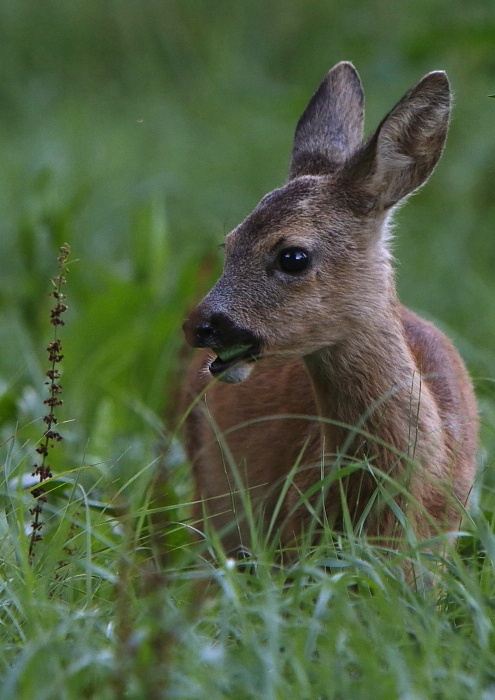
(293, 260)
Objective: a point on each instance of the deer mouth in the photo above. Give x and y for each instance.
(230, 357)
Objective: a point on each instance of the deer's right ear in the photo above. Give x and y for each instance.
(330, 128)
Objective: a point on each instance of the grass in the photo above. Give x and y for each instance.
(98, 621)
(140, 134)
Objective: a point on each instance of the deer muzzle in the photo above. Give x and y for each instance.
(234, 346)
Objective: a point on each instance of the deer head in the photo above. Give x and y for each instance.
(310, 267)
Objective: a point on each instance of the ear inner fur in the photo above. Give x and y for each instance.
(330, 128)
(403, 151)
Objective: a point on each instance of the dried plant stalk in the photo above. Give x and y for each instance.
(50, 436)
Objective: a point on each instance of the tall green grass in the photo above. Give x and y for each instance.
(140, 133)
(115, 618)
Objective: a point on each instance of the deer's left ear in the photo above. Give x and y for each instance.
(401, 154)
(330, 128)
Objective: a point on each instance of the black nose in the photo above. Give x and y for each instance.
(204, 332)
(215, 331)
(199, 332)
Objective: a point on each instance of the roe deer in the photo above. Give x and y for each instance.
(304, 322)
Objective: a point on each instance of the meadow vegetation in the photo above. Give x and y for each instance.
(140, 133)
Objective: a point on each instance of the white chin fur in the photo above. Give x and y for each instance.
(237, 373)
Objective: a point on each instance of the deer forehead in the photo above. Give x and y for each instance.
(309, 211)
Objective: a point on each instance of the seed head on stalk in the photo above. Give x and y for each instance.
(50, 435)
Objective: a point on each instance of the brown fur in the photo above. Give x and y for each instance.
(334, 342)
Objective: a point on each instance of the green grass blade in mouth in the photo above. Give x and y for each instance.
(226, 354)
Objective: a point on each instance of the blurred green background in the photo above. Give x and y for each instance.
(140, 132)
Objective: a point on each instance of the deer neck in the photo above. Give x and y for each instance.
(369, 381)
